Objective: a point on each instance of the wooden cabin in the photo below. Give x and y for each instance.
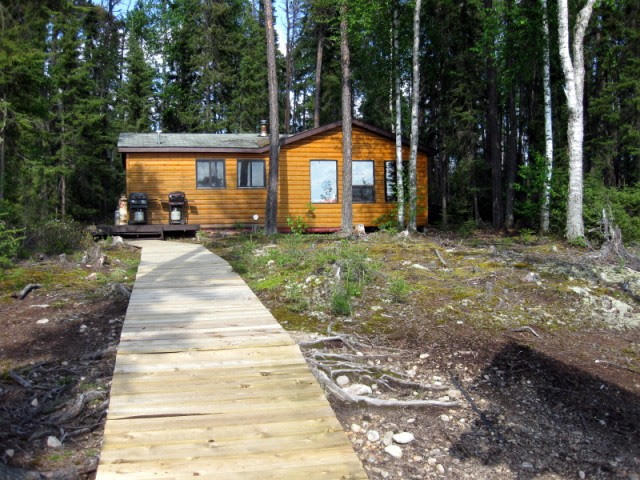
(224, 176)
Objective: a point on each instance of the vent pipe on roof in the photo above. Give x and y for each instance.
(263, 128)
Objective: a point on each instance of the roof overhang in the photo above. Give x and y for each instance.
(284, 140)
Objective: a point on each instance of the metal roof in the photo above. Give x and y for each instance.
(226, 142)
(193, 140)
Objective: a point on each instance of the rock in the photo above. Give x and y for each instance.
(440, 469)
(34, 402)
(62, 258)
(355, 428)
(92, 276)
(432, 461)
(102, 261)
(83, 328)
(394, 450)
(634, 476)
(376, 308)
(403, 437)
(43, 321)
(453, 393)
(387, 439)
(531, 277)
(9, 452)
(342, 381)
(117, 241)
(358, 389)
(417, 266)
(53, 442)
(581, 475)
(120, 290)
(373, 435)
(528, 466)
(423, 356)
(445, 418)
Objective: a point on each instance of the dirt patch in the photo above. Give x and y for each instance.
(57, 354)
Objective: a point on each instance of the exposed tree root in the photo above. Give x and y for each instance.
(361, 365)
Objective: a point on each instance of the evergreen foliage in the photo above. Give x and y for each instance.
(73, 75)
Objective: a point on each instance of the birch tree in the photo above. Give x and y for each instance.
(415, 95)
(548, 123)
(271, 214)
(573, 69)
(398, 120)
(345, 62)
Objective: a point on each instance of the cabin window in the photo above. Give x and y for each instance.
(250, 173)
(391, 179)
(363, 181)
(210, 174)
(324, 181)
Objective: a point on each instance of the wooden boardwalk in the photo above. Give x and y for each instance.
(207, 384)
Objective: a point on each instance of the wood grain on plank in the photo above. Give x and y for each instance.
(208, 384)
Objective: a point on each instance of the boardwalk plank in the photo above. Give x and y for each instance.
(208, 384)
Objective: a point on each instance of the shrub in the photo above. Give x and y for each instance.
(56, 236)
(297, 225)
(399, 290)
(341, 302)
(10, 240)
(388, 222)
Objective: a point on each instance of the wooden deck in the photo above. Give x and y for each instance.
(207, 384)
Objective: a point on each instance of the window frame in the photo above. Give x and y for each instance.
(337, 200)
(224, 173)
(373, 185)
(264, 173)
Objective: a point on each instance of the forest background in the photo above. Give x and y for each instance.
(74, 74)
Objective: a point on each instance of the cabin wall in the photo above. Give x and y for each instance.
(295, 181)
(157, 174)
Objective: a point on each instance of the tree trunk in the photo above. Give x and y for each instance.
(347, 211)
(574, 90)
(510, 158)
(288, 65)
(493, 141)
(271, 223)
(548, 124)
(318, 80)
(3, 124)
(398, 121)
(443, 189)
(415, 94)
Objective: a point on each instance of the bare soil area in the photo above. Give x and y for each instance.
(57, 352)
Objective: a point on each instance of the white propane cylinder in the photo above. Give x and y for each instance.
(176, 214)
(138, 216)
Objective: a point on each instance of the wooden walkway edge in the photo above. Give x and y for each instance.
(207, 383)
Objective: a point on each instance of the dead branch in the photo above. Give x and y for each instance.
(408, 384)
(73, 409)
(526, 328)
(347, 397)
(442, 260)
(20, 380)
(22, 294)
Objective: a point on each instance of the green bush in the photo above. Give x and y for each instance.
(55, 236)
(399, 290)
(388, 222)
(623, 204)
(341, 302)
(10, 239)
(297, 225)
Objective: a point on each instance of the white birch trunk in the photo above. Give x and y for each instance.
(415, 94)
(574, 91)
(548, 124)
(398, 125)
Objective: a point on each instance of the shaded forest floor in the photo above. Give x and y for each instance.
(539, 343)
(57, 352)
